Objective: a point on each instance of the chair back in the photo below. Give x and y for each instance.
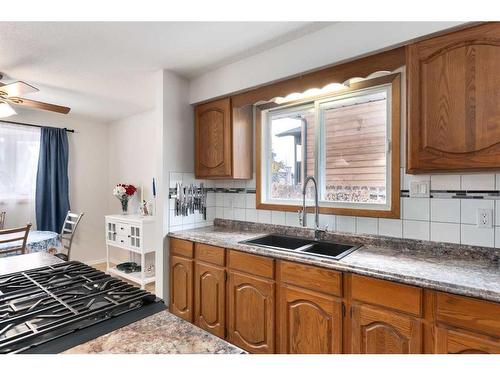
(15, 236)
(68, 231)
(2, 219)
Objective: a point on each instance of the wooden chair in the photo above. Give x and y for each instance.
(14, 236)
(68, 232)
(2, 219)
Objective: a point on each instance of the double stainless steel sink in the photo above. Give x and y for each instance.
(326, 249)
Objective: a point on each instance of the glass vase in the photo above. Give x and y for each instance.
(124, 202)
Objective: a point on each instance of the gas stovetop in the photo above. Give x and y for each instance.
(53, 308)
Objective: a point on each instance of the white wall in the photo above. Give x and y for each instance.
(339, 42)
(131, 157)
(88, 163)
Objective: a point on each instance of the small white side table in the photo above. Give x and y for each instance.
(132, 233)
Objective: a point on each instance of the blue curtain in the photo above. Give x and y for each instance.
(52, 197)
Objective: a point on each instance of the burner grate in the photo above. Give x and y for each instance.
(44, 304)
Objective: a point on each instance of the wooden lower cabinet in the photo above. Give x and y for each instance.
(380, 331)
(453, 341)
(311, 323)
(250, 309)
(181, 287)
(209, 298)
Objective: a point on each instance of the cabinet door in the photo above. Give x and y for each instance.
(251, 312)
(213, 139)
(450, 341)
(378, 331)
(311, 323)
(181, 287)
(111, 232)
(453, 96)
(209, 298)
(134, 236)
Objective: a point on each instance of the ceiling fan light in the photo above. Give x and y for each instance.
(6, 110)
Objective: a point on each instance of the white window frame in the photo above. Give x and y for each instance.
(319, 105)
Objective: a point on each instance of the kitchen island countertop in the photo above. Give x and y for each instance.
(161, 333)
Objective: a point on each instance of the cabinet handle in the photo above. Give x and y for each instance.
(128, 236)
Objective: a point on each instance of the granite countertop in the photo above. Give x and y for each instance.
(18, 263)
(161, 333)
(445, 267)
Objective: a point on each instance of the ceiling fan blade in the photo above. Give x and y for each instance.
(39, 105)
(16, 89)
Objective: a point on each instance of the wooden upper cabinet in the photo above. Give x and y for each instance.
(311, 323)
(251, 312)
(453, 101)
(181, 287)
(223, 140)
(209, 298)
(380, 331)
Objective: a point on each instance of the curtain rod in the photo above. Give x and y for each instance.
(35, 125)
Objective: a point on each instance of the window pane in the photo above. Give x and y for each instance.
(292, 141)
(355, 149)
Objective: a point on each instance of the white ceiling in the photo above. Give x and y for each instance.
(104, 70)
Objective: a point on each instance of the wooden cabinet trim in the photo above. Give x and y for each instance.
(249, 263)
(469, 313)
(210, 254)
(389, 294)
(310, 277)
(181, 247)
(456, 341)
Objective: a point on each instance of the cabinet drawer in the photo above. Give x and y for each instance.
(310, 277)
(181, 247)
(210, 254)
(122, 229)
(252, 264)
(122, 241)
(469, 313)
(395, 296)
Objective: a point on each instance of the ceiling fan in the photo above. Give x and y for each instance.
(11, 94)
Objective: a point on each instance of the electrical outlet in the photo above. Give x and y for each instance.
(484, 217)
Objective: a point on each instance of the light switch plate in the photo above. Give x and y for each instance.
(420, 189)
(484, 218)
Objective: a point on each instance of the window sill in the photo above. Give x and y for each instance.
(394, 213)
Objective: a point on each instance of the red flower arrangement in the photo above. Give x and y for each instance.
(129, 189)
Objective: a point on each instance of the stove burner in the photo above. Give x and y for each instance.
(42, 310)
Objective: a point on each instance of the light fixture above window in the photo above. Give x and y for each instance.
(6, 110)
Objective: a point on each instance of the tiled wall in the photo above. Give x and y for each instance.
(448, 216)
(195, 220)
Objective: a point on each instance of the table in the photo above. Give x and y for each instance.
(38, 241)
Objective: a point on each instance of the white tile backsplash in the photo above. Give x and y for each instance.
(239, 200)
(445, 210)
(239, 214)
(366, 225)
(346, 224)
(472, 235)
(278, 217)
(250, 200)
(436, 219)
(264, 216)
(469, 209)
(415, 229)
(445, 182)
(445, 232)
(478, 181)
(390, 227)
(416, 208)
